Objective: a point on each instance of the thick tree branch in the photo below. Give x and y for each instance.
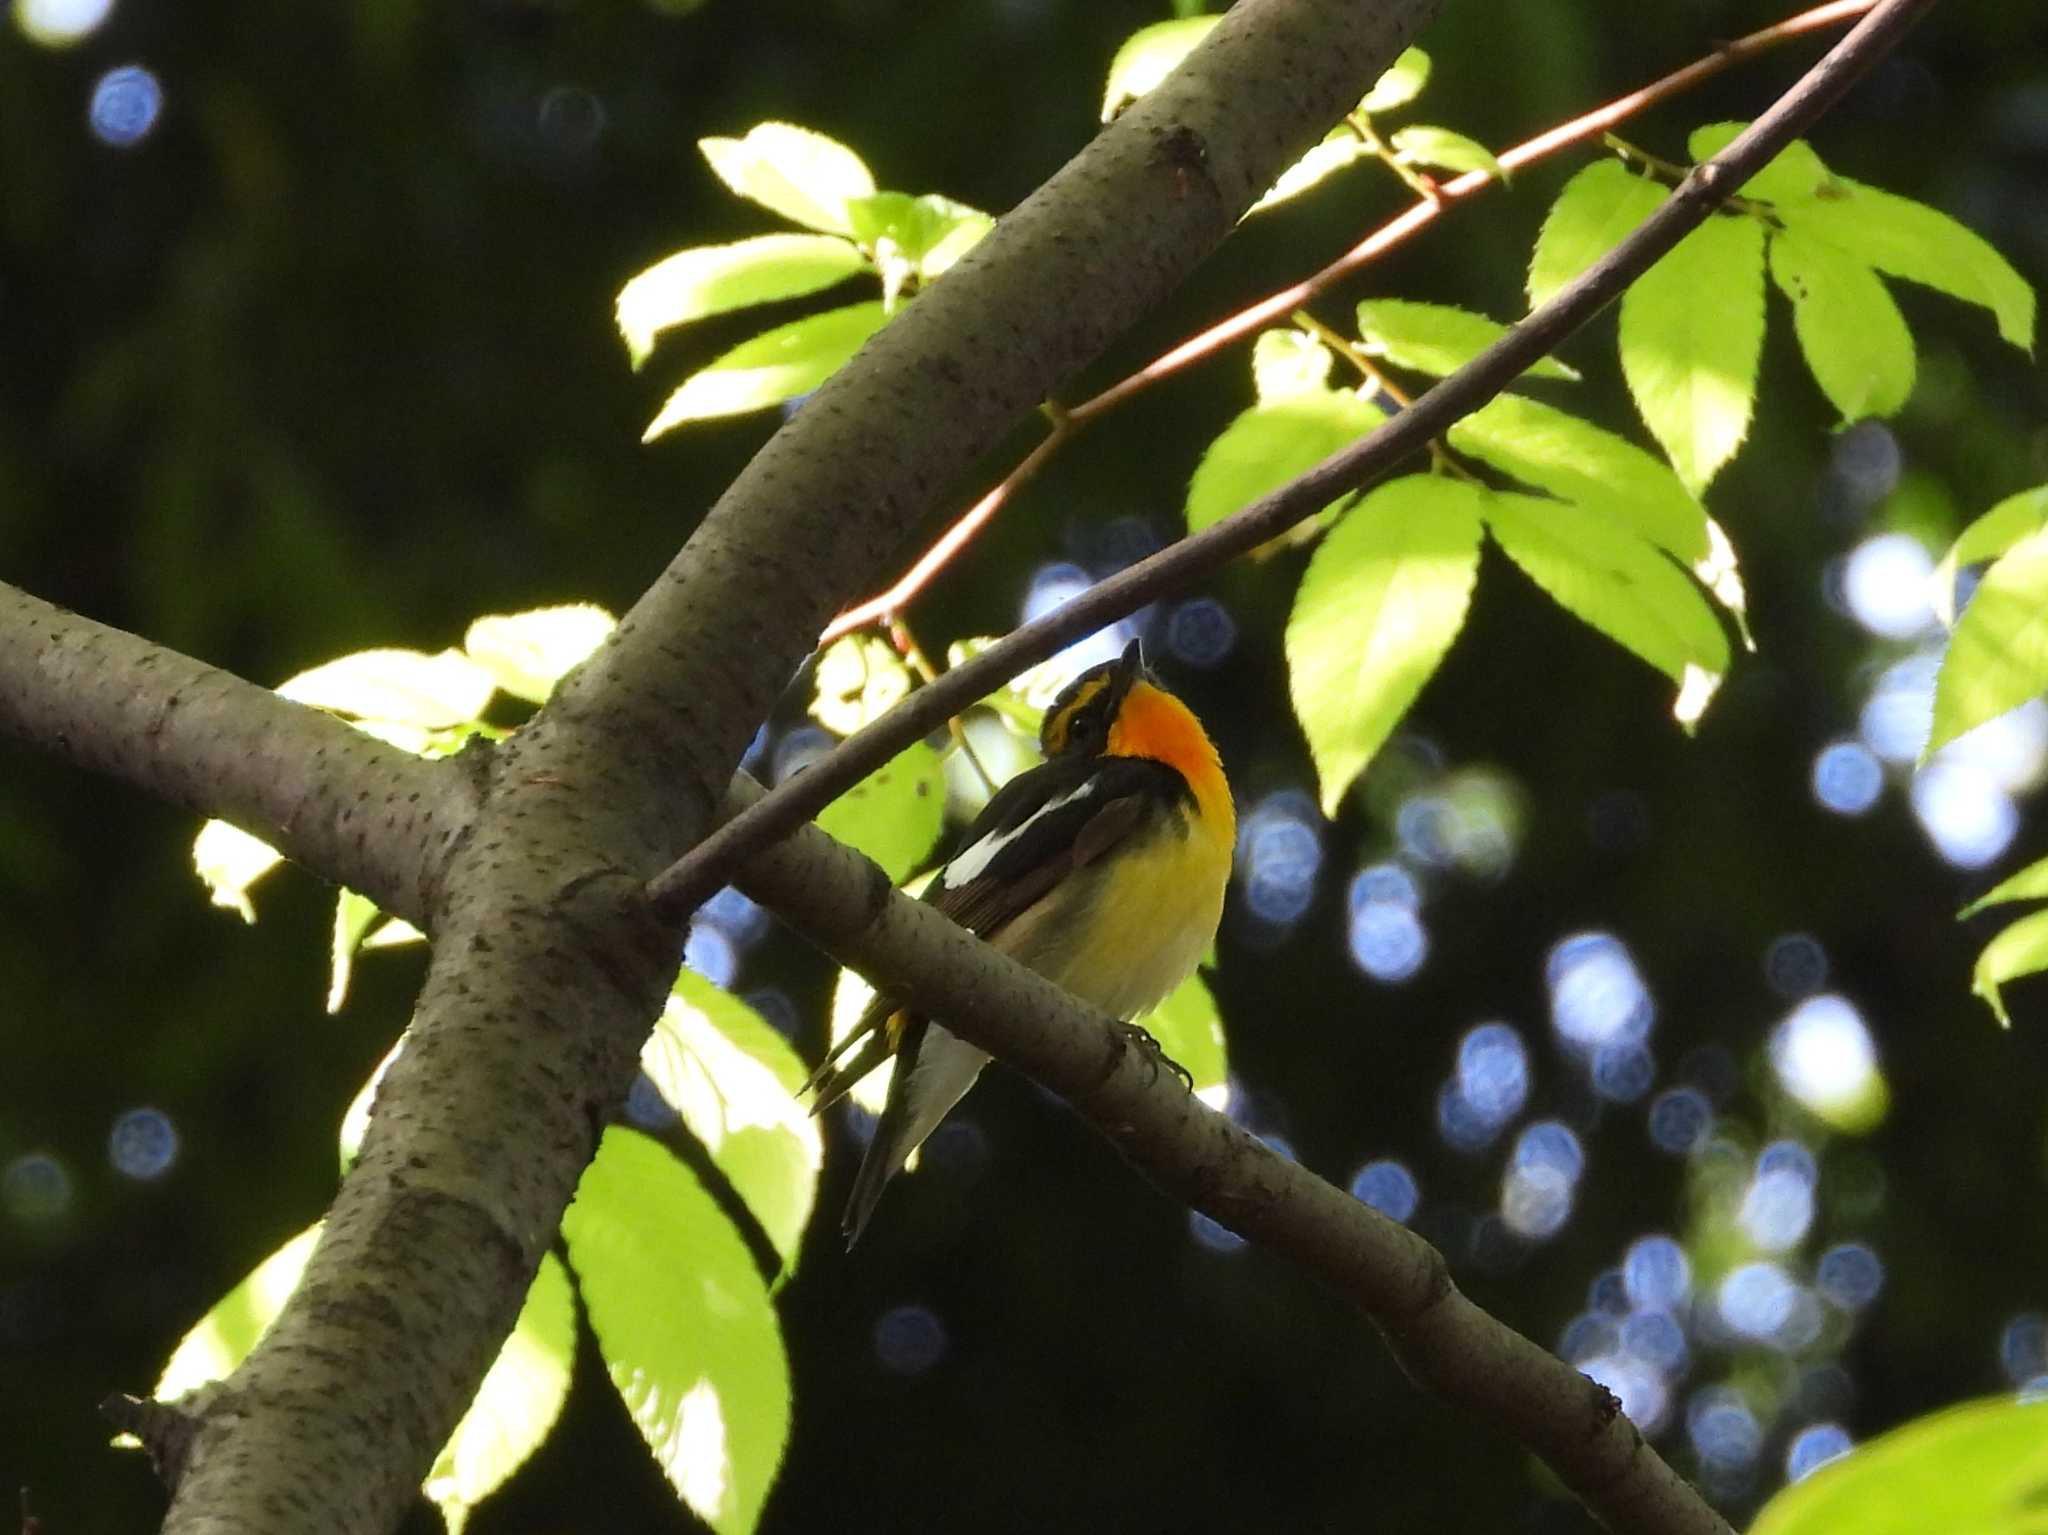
(1195, 1155)
(707, 866)
(548, 964)
(342, 803)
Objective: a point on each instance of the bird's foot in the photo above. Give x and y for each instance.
(1136, 1036)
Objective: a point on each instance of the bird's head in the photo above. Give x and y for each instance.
(1080, 720)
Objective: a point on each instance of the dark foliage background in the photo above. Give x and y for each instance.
(326, 362)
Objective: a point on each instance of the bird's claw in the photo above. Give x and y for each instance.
(1132, 1035)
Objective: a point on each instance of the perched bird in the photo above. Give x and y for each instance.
(1103, 868)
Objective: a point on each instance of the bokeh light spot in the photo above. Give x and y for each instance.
(1493, 1072)
(1847, 778)
(2023, 1347)
(1756, 1300)
(1966, 815)
(1213, 1235)
(1795, 966)
(1596, 995)
(1813, 1447)
(59, 23)
(1656, 1272)
(143, 1144)
(711, 954)
(1777, 1207)
(1722, 1428)
(1536, 1201)
(1680, 1119)
(1655, 1338)
(1389, 1188)
(1849, 1276)
(1280, 854)
(909, 1340)
(1900, 710)
(1823, 1056)
(35, 1188)
(1201, 632)
(1638, 1383)
(646, 1107)
(1388, 942)
(1385, 884)
(1885, 585)
(125, 105)
(1622, 1073)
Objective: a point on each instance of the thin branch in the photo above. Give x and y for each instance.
(1070, 423)
(693, 877)
(340, 802)
(1196, 1156)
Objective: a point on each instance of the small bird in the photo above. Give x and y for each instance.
(1103, 868)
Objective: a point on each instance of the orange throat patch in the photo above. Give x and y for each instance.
(1153, 723)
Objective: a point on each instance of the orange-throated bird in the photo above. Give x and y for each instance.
(1102, 868)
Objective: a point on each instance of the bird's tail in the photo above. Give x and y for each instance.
(934, 1069)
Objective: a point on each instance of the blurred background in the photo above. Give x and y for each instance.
(306, 347)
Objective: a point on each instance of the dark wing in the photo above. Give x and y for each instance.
(1043, 830)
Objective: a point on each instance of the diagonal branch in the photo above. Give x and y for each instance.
(693, 877)
(1445, 1342)
(1070, 422)
(342, 803)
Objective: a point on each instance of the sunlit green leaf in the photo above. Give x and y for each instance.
(1594, 213)
(1400, 84)
(1998, 652)
(229, 861)
(1986, 539)
(1445, 150)
(1855, 340)
(1902, 238)
(1969, 1470)
(1436, 338)
(353, 915)
(1190, 1032)
(685, 1325)
(1720, 573)
(776, 365)
(913, 226)
(1148, 56)
(804, 176)
(1340, 148)
(1286, 363)
(224, 1336)
(517, 1404)
(1269, 445)
(403, 687)
(894, 815)
(1692, 334)
(355, 1120)
(1379, 604)
(1602, 572)
(2021, 949)
(858, 679)
(1794, 174)
(733, 1079)
(1577, 461)
(716, 279)
(528, 653)
(2030, 884)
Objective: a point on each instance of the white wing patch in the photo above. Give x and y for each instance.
(970, 862)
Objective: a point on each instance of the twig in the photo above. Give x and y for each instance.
(684, 884)
(1071, 422)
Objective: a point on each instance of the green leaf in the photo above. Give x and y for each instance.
(1380, 603)
(1998, 652)
(909, 236)
(517, 1404)
(1974, 1468)
(1577, 461)
(1440, 147)
(1190, 1031)
(2030, 884)
(1855, 340)
(399, 687)
(776, 365)
(894, 815)
(1594, 213)
(1148, 56)
(857, 680)
(1286, 363)
(1269, 445)
(353, 915)
(2022, 949)
(685, 1325)
(734, 1080)
(223, 1337)
(1400, 84)
(1436, 338)
(1986, 539)
(229, 861)
(804, 176)
(1692, 334)
(528, 653)
(1341, 148)
(1720, 573)
(1902, 238)
(1604, 574)
(716, 279)
(1794, 174)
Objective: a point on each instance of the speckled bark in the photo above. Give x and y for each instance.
(1200, 1158)
(343, 804)
(547, 968)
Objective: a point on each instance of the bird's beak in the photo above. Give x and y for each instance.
(1132, 666)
